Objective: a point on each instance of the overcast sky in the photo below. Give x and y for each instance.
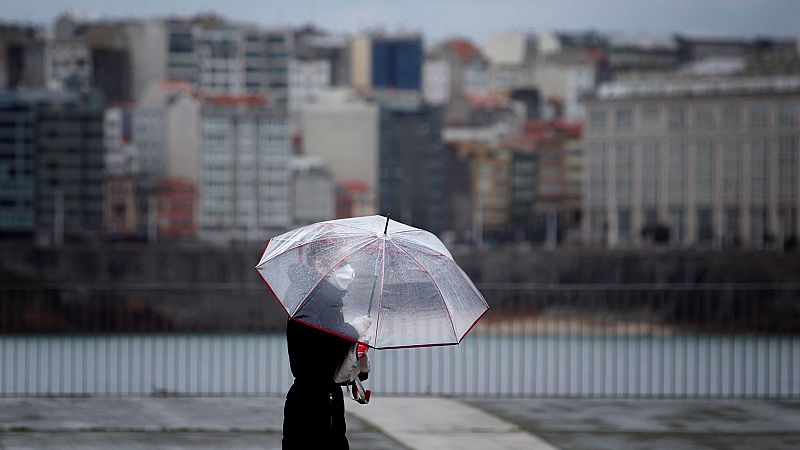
(443, 18)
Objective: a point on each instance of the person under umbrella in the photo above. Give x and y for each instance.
(314, 408)
(359, 282)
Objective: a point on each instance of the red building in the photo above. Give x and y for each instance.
(353, 199)
(176, 208)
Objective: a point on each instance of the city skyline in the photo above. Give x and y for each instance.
(444, 19)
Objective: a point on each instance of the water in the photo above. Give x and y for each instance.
(728, 365)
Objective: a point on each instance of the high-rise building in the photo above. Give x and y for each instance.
(181, 63)
(464, 72)
(412, 162)
(381, 61)
(277, 48)
(18, 119)
(244, 169)
(166, 131)
(341, 128)
(122, 155)
(436, 79)
(95, 54)
(69, 65)
(222, 58)
(313, 44)
(21, 57)
(70, 166)
(567, 80)
(713, 160)
(479, 170)
(53, 161)
(511, 56)
(147, 46)
(308, 80)
(312, 191)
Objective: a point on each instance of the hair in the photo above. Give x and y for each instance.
(312, 251)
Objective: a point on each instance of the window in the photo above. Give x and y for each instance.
(624, 225)
(731, 170)
(731, 117)
(787, 168)
(596, 175)
(597, 226)
(624, 169)
(651, 217)
(677, 118)
(705, 225)
(759, 157)
(787, 114)
(650, 116)
(651, 163)
(759, 115)
(676, 167)
(624, 119)
(758, 220)
(597, 120)
(676, 226)
(704, 117)
(732, 233)
(788, 221)
(704, 170)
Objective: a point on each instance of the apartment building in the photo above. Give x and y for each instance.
(713, 160)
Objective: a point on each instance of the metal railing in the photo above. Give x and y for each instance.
(536, 340)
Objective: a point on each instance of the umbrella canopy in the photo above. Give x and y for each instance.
(372, 280)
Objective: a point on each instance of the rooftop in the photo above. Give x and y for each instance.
(693, 87)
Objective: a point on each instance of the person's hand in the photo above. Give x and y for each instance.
(362, 324)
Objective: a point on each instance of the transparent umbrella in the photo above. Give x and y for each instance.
(372, 280)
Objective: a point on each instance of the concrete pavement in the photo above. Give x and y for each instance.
(398, 423)
(147, 423)
(654, 423)
(443, 423)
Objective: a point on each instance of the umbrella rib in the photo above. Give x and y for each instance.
(405, 231)
(426, 247)
(474, 289)
(439, 289)
(333, 266)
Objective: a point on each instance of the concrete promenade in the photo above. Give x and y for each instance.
(402, 422)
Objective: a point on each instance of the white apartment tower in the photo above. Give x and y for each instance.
(244, 170)
(221, 58)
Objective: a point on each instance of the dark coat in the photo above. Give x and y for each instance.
(314, 408)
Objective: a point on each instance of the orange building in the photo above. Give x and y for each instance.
(176, 208)
(353, 199)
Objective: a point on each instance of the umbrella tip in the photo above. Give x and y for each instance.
(387, 223)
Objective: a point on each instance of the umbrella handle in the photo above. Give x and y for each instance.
(360, 394)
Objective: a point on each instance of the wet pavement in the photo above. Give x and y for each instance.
(403, 422)
(654, 423)
(157, 423)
